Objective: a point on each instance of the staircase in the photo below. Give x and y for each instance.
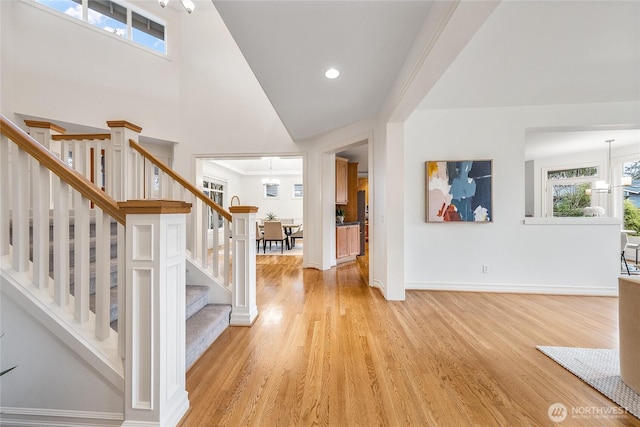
(94, 262)
(205, 322)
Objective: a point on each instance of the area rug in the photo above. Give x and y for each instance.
(600, 368)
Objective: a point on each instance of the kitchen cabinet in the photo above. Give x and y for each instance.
(342, 181)
(347, 242)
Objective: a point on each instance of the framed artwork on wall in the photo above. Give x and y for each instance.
(459, 191)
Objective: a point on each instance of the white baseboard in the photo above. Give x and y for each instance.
(30, 417)
(515, 288)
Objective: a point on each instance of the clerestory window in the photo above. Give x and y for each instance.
(117, 18)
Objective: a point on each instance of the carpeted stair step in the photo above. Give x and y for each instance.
(113, 276)
(113, 306)
(197, 298)
(203, 328)
(113, 250)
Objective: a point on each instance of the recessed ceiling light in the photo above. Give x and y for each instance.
(331, 73)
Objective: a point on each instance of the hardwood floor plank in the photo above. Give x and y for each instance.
(328, 350)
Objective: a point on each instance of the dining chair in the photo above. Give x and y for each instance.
(259, 237)
(297, 235)
(273, 232)
(624, 245)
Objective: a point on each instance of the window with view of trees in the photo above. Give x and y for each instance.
(631, 194)
(570, 199)
(567, 190)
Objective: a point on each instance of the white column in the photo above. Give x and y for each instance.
(244, 309)
(155, 372)
(122, 183)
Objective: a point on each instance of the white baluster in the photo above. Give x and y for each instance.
(165, 185)
(61, 243)
(148, 179)
(193, 227)
(122, 296)
(227, 253)
(20, 212)
(41, 203)
(204, 238)
(5, 195)
(81, 258)
(103, 274)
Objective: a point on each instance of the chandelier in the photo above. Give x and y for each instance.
(189, 5)
(270, 180)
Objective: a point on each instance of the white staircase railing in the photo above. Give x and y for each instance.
(50, 181)
(161, 182)
(40, 192)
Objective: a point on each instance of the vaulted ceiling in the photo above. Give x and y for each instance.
(528, 53)
(290, 44)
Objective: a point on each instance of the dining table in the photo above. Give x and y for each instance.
(288, 231)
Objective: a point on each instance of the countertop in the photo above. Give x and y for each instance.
(347, 223)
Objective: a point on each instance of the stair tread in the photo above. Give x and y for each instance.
(203, 328)
(194, 292)
(197, 298)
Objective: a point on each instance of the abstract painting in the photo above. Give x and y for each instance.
(459, 191)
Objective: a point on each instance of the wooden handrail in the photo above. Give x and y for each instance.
(186, 184)
(61, 169)
(81, 136)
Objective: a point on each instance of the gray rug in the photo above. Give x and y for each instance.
(600, 368)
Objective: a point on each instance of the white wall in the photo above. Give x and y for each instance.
(50, 378)
(59, 68)
(223, 109)
(581, 259)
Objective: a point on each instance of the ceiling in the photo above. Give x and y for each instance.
(290, 44)
(261, 166)
(509, 62)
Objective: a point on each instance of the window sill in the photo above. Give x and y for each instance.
(572, 221)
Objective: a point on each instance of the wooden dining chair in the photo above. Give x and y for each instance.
(273, 232)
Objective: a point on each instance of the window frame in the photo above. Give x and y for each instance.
(548, 184)
(265, 190)
(128, 39)
(208, 190)
(293, 193)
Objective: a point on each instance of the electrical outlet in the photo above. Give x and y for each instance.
(485, 268)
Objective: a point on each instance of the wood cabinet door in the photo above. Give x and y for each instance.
(342, 168)
(354, 240)
(342, 242)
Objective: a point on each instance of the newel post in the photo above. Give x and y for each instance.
(124, 180)
(244, 309)
(155, 371)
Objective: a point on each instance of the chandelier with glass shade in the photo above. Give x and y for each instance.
(270, 180)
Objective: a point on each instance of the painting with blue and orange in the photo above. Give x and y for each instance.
(459, 191)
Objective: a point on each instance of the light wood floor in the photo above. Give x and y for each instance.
(328, 350)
